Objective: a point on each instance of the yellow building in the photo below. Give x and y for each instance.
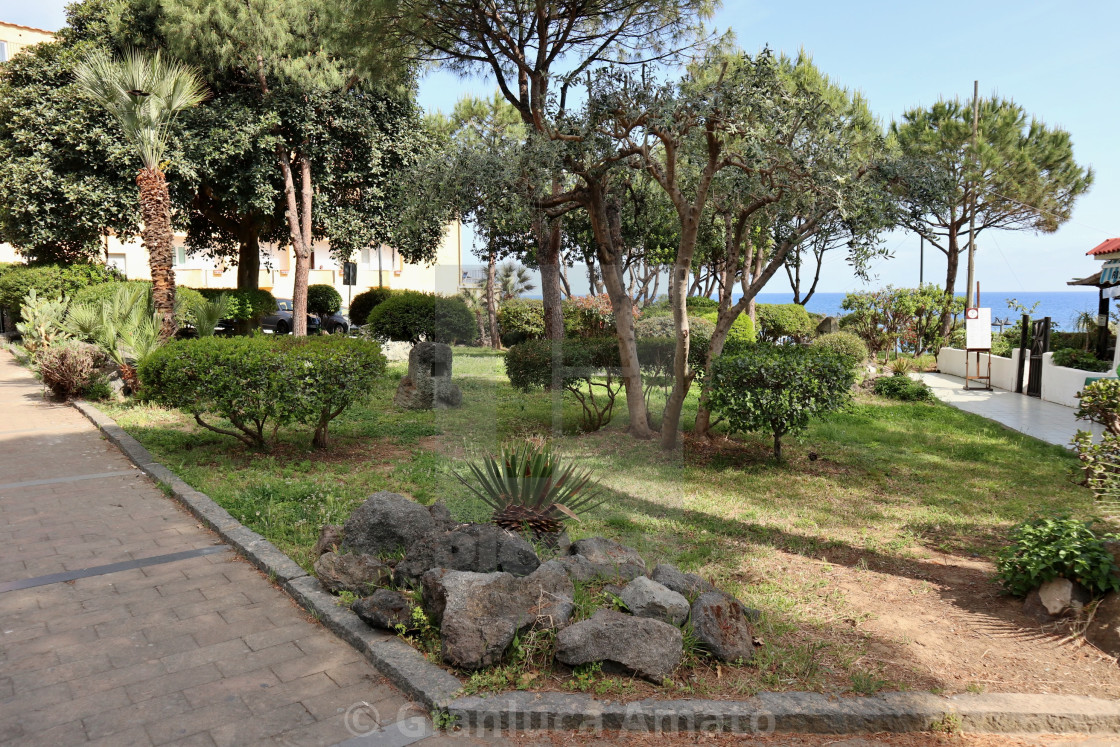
(13, 38)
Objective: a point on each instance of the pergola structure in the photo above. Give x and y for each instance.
(1107, 280)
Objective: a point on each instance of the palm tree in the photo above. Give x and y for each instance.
(513, 280)
(144, 94)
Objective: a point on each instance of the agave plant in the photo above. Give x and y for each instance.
(526, 486)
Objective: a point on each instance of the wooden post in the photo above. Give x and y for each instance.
(1024, 353)
(1102, 326)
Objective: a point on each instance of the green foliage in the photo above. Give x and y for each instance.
(243, 304)
(411, 316)
(42, 324)
(207, 314)
(778, 389)
(900, 366)
(363, 303)
(50, 281)
(520, 319)
(781, 320)
(1100, 403)
(588, 316)
(902, 387)
(1080, 359)
(68, 368)
(323, 300)
(739, 337)
(1049, 547)
(186, 299)
(906, 318)
(845, 343)
(530, 476)
(589, 371)
(253, 382)
(662, 326)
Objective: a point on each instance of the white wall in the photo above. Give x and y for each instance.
(1004, 370)
(1062, 385)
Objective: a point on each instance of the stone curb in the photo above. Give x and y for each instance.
(815, 713)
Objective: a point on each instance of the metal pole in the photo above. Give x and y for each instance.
(969, 301)
(922, 261)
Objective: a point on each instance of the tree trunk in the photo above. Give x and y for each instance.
(606, 224)
(492, 300)
(777, 447)
(155, 210)
(953, 258)
(249, 259)
(682, 379)
(551, 294)
(299, 226)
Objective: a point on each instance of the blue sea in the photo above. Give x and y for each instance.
(1060, 306)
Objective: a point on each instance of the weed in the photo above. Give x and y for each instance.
(950, 723)
(866, 683)
(975, 688)
(443, 720)
(584, 677)
(346, 598)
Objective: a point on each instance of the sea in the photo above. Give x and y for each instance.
(1061, 306)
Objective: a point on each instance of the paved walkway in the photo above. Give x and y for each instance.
(200, 650)
(1046, 421)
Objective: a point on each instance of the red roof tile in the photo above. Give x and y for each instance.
(1109, 246)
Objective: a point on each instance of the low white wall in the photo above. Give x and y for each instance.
(1062, 385)
(1004, 370)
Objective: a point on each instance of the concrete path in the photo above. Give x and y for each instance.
(1045, 421)
(177, 641)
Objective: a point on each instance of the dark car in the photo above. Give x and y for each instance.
(336, 324)
(280, 322)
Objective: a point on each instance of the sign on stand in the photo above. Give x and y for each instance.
(978, 340)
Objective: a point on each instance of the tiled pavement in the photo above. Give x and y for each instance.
(200, 651)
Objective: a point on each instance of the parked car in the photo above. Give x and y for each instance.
(336, 324)
(280, 322)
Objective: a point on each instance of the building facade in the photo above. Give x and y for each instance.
(13, 38)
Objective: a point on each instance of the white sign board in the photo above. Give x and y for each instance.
(978, 329)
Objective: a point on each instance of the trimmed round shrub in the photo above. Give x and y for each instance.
(779, 388)
(779, 320)
(844, 343)
(739, 337)
(700, 304)
(49, 281)
(520, 319)
(902, 388)
(364, 302)
(258, 383)
(1049, 547)
(663, 326)
(244, 304)
(323, 300)
(587, 316)
(411, 316)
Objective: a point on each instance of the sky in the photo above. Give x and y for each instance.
(1053, 58)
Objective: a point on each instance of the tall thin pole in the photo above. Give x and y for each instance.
(922, 261)
(970, 301)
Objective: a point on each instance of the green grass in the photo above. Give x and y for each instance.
(894, 482)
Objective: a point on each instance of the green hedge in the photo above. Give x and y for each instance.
(49, 281)
(1081, 359)
(258, 383)
(411, 316)
(520, 319)
(663, 326)
(244, 304)
(363, 303)
(778, 320)
(902, 388)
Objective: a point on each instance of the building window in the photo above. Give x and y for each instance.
(180, 256)
(3, 51)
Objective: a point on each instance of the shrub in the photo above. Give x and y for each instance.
(411, 316)
(186, 299)
(739, 337)
(256, 381)
(901, 366)
(902, 387)
(49, 281)
(1080, 359)
(587, 316)
(323, 300)
(363, 303)
(1045, 548)
(779, 388)
(43, 319)
(590, 373)
(68, 368)
(700, 304)
(780, 320)
(844, 343)
(245, 305)
(520, 319)
(663, 326)
(1100, 403)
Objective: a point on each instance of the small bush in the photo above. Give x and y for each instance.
(1080, 359)
(411, 316)
(844, 343)
(663, 326)
(1100, 403)
(901, 366)
(902, 387)
(245, 305)
(780, 320)
(587, 316)
(186, 299)
(363, 303)
(589, 371)
(323, 300)
(1046, 548)
(254, 382)
(739, 337)
(520, 319)
(778, 389)
(69, 368)
(49, 281)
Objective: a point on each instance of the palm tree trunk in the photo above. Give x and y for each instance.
(492, 301)
(155, 211)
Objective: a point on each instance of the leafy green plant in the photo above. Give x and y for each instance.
(902, 388)
(412, 316)
(323, 300)
(526, 485)
(49, 281)
(1080, 359)
(245, 305)
(42, 321)
(1099, 402)
(363, 303)
(845, 343)
(900, 366)
(663, 326)
(1049, 547)
(207, 314)
(520, 319)
(778, 389)
(780, 320)
(68, 368)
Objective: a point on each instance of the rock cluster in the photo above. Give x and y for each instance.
(483, 586)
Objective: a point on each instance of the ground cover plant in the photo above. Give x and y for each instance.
(870, 551)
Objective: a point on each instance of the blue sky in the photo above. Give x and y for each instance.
(1054, 58)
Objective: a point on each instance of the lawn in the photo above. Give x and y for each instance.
(907, 498)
